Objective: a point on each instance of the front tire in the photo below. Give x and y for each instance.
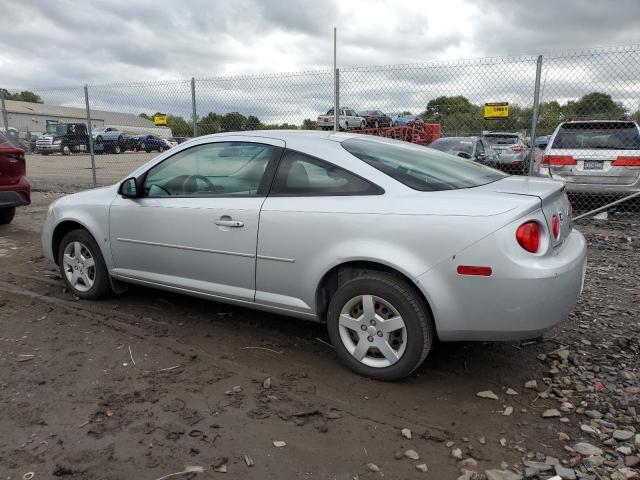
(82, 266)
(6, 215)
(66, 150)
(379, 326)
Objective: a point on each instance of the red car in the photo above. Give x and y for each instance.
(15, 189)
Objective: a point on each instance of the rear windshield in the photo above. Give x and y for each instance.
(419, 167)
(594, 135)
(502, 139)
(451, 145)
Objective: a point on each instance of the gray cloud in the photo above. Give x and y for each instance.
(45, 43)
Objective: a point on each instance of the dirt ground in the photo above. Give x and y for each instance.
(147, 383)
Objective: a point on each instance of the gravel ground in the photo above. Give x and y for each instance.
(148, 383)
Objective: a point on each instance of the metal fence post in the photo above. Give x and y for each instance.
(4, 114)
(93, 160)
(194, 114)
(336, 103)
(534, 115)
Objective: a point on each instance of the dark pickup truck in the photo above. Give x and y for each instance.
(64, 138)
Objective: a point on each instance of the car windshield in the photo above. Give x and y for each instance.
(502, 139)
(596, 135)
(329, 112)
(57, 129)
(419, 167)
(453, 145)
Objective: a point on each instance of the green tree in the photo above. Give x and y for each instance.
(309, 124)
(233, 121)
(179, 126)
(252, 123)
(456, 115)
(24, 96)
(211, 123)
(596, 105)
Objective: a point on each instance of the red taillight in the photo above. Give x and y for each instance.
(626, 162)
(528, 236)
(555, 226)
(474, 270)
(558, 160)
(517, 148)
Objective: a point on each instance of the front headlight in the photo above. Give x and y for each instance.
(57, 142)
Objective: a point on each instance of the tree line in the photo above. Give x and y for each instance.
(458, 116)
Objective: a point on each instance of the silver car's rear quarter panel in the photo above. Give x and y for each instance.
(525, 295)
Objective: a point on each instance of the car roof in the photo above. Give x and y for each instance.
(474, 137)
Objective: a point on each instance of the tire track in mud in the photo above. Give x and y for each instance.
(122, 322)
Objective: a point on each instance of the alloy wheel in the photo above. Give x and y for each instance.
(79, 266)
(372, 331)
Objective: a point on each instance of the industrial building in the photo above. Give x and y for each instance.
(33, 118)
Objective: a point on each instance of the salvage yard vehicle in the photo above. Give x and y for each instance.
(403, 119)
(390, 243)
(595, 157)
(64, 138)
(512, 150)
(474, 148)
(15, 190)
(348, 119)
(149, 143)
(375, 118)
(104, 134)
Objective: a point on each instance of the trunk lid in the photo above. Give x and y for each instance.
(12, 165)
(552, 195)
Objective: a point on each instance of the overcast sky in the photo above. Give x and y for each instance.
(68, 42)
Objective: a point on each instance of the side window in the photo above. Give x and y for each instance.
(302, 175)
(212, 169)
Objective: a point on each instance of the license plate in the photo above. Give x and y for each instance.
(592, 165)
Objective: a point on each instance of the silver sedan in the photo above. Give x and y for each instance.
(391, 244)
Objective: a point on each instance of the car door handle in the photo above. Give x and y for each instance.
(229, 223)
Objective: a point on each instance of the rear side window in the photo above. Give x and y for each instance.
(502, 139)
(598, 135)
(419, 167)
(303, 175)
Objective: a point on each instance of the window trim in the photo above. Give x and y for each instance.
(376, 189)
(263, 189)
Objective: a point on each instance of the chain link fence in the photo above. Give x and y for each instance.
(586, 129)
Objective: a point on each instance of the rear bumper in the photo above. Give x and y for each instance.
(593, 188)
(520, 300)
(15, 195)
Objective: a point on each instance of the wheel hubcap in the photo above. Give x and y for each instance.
(79, 266)
(372, 331)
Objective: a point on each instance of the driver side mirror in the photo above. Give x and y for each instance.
(129, 188)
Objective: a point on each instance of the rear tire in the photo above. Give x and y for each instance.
(392, 297)
(87, 260)
(6, 215)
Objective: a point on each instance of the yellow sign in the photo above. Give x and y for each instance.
(160, 119)
(496, 110)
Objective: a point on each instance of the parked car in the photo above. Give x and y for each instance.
(64, 138)
(474, 148)
(542, 142)
(105, 134)
(181, 139)
(389, 243)
(15, 190)
(600, 156)
(348, 119)
(375, 118)
(149, 143)
(513, 151)
(171, 142)
(406, 120)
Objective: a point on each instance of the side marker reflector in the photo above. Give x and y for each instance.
(474, 270)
